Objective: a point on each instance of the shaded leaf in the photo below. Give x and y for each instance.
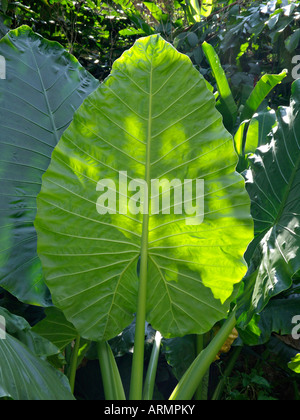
(23, 376)
(273, 183)
(43, 87)
(55, 328)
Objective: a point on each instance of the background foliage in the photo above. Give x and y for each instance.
(251, 39)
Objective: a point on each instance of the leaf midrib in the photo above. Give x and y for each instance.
(46, 99)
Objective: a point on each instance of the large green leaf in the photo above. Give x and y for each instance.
(23, 376)
(273, 183)
(155, 119)
(44, 85)
(19, 328)
(275, 317)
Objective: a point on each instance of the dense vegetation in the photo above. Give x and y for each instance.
(77, 292)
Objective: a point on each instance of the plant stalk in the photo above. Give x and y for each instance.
(136, 385)
(118, 389)
(73, 364)
(105, 370)
(195, 373)
(152, 368)
(199, 348)
(112, 383)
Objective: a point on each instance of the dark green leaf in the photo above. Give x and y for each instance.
(273, 183)
(43, 87)
(23, 376)
(55, 328)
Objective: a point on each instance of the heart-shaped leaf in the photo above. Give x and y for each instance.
(152, 120)
(43, 87)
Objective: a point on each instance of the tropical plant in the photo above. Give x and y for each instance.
(132, 285)
(147, 237)
(160, 289)
(274, 255)
(272, 271)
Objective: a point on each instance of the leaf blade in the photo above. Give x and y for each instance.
(43, 86)
(99, 295)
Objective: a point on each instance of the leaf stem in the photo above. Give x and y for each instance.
(199, 348)
(105, 370)
(112, 383)
(136, 386)
(152, 368)
(188, 384)
(73, 364)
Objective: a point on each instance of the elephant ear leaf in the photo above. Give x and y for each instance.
(43, 87)
(273, 183)
(152, 120)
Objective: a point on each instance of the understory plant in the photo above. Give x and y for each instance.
(98, 249)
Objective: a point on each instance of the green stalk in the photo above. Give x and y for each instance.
(112, 383)
(104, 362)
(136, 385)
(220, 387)
(152, 368)
(119, 393)
(195, 373)
(73, 363)
(199, 348)
(202, 389)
